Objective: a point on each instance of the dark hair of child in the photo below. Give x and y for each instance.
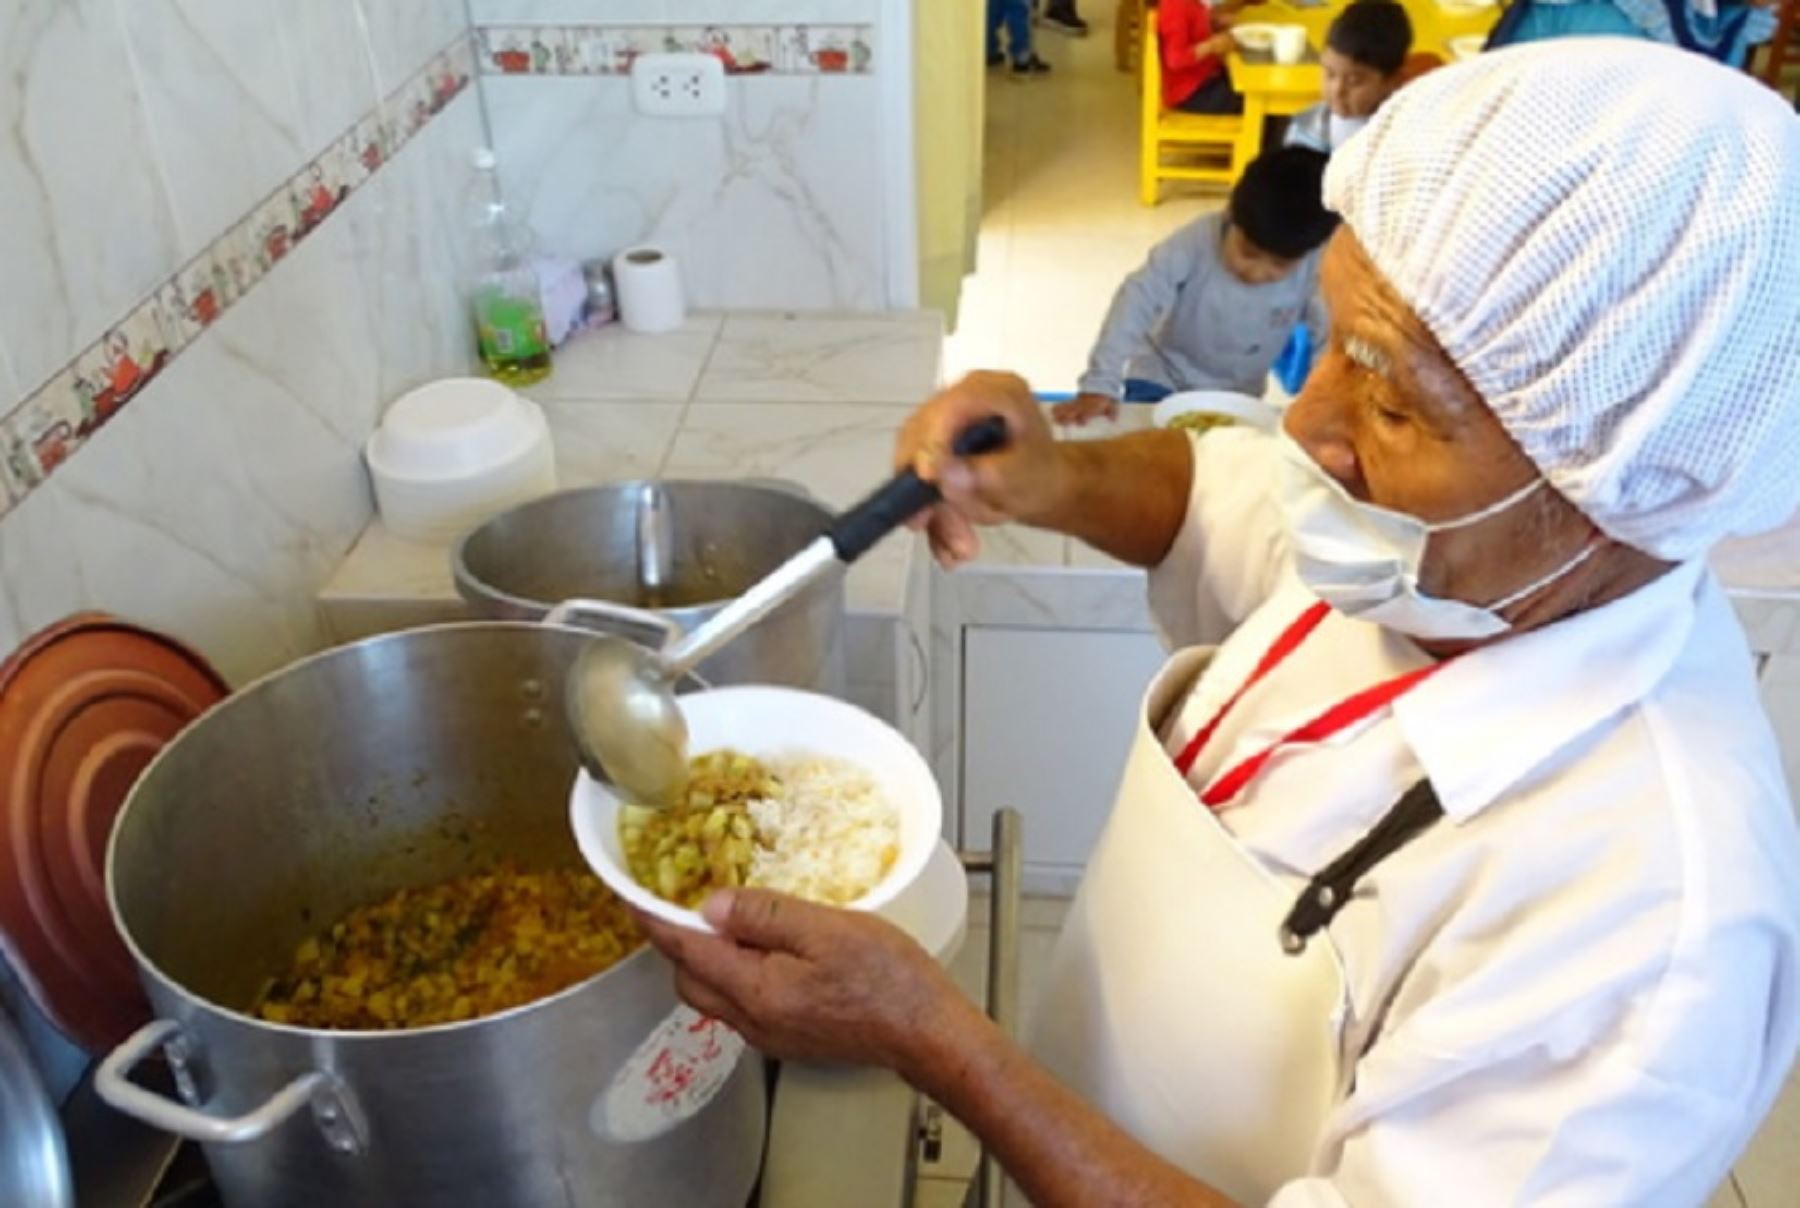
(1277, 202)
(1375, 33)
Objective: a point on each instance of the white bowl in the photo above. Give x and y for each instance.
(451, 454)
(452, 428)
(769, 722)
(1251, 412)
(1255, 35)
(1466, 47)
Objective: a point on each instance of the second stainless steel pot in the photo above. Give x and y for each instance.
(678, 550)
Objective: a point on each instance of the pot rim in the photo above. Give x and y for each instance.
(148, 967)
(474, 589)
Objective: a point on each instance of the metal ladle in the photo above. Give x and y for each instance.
(621, 702)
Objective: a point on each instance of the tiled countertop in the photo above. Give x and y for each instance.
(812, 398)
(815, 398)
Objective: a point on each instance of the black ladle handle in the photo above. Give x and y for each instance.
(905, 495)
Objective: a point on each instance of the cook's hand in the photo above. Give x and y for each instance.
(1019, 482)
(1219, 45)
(1085, 406)
(809, 982)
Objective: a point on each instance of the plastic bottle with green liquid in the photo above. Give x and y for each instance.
(509, 311)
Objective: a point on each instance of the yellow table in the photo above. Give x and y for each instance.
(1272, 90)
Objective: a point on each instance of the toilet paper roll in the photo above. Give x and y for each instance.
(649, 289)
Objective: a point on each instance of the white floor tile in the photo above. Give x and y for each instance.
(940, 1193)
(1063, 226)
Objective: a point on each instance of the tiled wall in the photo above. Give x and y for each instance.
(784, 202)
(229, 236)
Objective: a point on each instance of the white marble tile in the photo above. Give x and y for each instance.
(609, 442)
(795, 160)
(328, 55)
(840, 452)
(613, 363)
(404, 34)
(217, 502)
(383, 567)
(1050, 597)
(673, 12)
(408, 223)
(1769, 1171)
(1016, 545)
(88, 229)
(223, 108)
(801, 357)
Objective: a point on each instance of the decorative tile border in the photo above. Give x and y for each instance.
(45, 430)
(562, 50)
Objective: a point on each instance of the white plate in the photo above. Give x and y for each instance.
(1251, 412)
(768, 722)
(1254, 36)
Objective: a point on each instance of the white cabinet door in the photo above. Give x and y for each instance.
(1047, 718)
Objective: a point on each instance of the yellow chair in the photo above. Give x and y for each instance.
(1194, 135)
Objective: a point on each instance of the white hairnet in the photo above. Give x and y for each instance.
(1604, 235)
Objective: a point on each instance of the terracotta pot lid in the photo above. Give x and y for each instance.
(84, 707)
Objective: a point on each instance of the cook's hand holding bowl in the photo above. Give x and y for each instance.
(824, 740)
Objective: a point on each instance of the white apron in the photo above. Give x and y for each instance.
(1171, 1005)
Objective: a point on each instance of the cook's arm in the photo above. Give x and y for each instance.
(1127, 496)
(1058, 1149)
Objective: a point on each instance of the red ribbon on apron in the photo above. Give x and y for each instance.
(1338, 717)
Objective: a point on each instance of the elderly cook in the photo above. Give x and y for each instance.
(1463, 871)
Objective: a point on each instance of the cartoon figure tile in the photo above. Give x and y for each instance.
(635, 42)
(504, 49)
(44, 432)
(831, 49)
(744, 50)
(793, 50)
(369, 137)
(461, 57)
(116, 369)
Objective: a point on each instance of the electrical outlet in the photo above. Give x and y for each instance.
(684, 85)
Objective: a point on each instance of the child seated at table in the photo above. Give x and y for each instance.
(1216, 301)
(1365, 49)
(1193, 43)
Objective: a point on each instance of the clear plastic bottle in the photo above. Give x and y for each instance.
(509, 311)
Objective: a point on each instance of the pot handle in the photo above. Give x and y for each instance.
(621, 619)
(112, 1082)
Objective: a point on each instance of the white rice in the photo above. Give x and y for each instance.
(830, 837)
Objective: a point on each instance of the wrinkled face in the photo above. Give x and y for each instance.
(1388, 415)
(1353, 89)
(1251, 264)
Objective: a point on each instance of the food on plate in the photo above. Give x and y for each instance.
(1201, 421)
(815, 827)
(456, 950)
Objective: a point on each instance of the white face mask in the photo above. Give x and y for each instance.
(1363, 560)
(1340, 129)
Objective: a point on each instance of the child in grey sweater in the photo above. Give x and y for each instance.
(1216, 301)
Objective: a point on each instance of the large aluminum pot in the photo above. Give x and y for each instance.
(394, 762)
(661, 553)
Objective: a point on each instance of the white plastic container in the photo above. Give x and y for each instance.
(452, 453)
(1290, 44)
(763, 722)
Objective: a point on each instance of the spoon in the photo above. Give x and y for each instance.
(621, 701)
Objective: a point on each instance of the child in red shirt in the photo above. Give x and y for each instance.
(1193, 56)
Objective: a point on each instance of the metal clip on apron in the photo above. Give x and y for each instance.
(1183, 999)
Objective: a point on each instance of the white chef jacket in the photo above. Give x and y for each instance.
(1582, 986)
